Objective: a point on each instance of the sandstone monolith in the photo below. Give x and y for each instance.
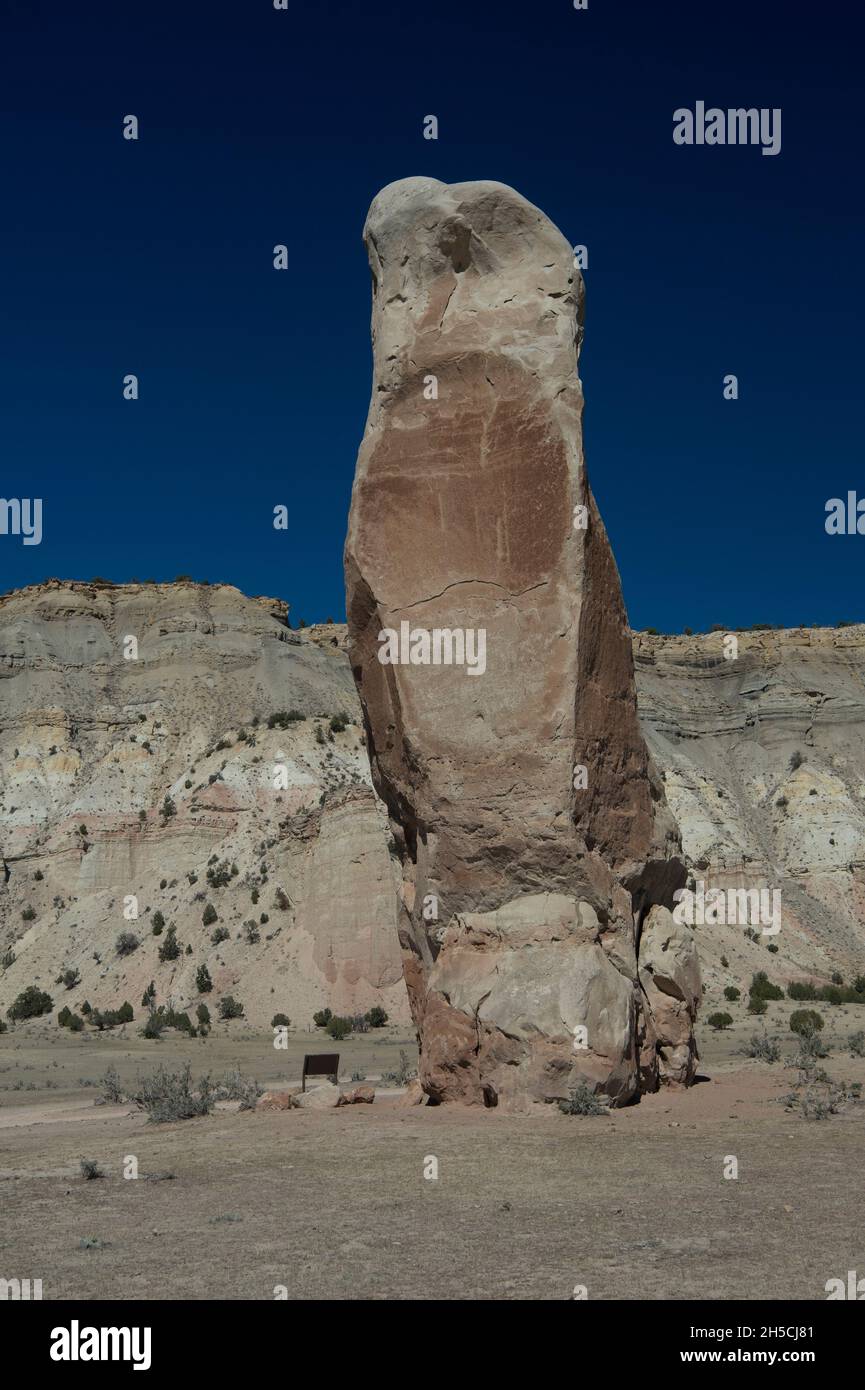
(489, 644)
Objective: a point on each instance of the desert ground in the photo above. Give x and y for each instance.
(252, 1205)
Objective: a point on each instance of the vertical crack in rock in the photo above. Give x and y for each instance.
(525, 895)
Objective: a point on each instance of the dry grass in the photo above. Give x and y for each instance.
(335, 1205)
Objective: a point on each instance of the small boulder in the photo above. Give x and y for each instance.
(361, 1095)
(277, 1100)
(325, 1097)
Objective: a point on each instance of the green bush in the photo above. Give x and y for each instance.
(581, 1101)
(376, 1016)
(230, 1008)
(856, 1044)
(111, 1018)
(157, 920)
(283, 718)
(68, 978)
(831, 994)
(31, 1002)
(219, 876)
(154, 1027)
(126, 943)
(203, 982)
(719, 1021)
(202, 1013)
(29, 914)
(761, 987)
(806, 1022)
(76, 1024)
(64, 1016)
(801, 991)
(209, 915)
(338, 1028)
(757, 1005)
(280, 1021)
(170, 949)
(731, 993)
(322, 1018)
(221, 934)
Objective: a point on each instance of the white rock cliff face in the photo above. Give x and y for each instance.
(763, 759)
(91, 744)
(724, 736)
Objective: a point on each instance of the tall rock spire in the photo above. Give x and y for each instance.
(491, 652)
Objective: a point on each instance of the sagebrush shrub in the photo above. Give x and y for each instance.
(581, 1101)
(762, 1048)
(112, 1091)
(173, 1095)
(229, 1007)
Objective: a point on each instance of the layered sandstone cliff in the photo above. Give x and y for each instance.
(784, 723)
(275, 829)
(535, 842)
(761, 740)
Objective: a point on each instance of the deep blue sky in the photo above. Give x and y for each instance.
(260, 126)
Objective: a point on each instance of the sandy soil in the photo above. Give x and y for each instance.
(336, 1205)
